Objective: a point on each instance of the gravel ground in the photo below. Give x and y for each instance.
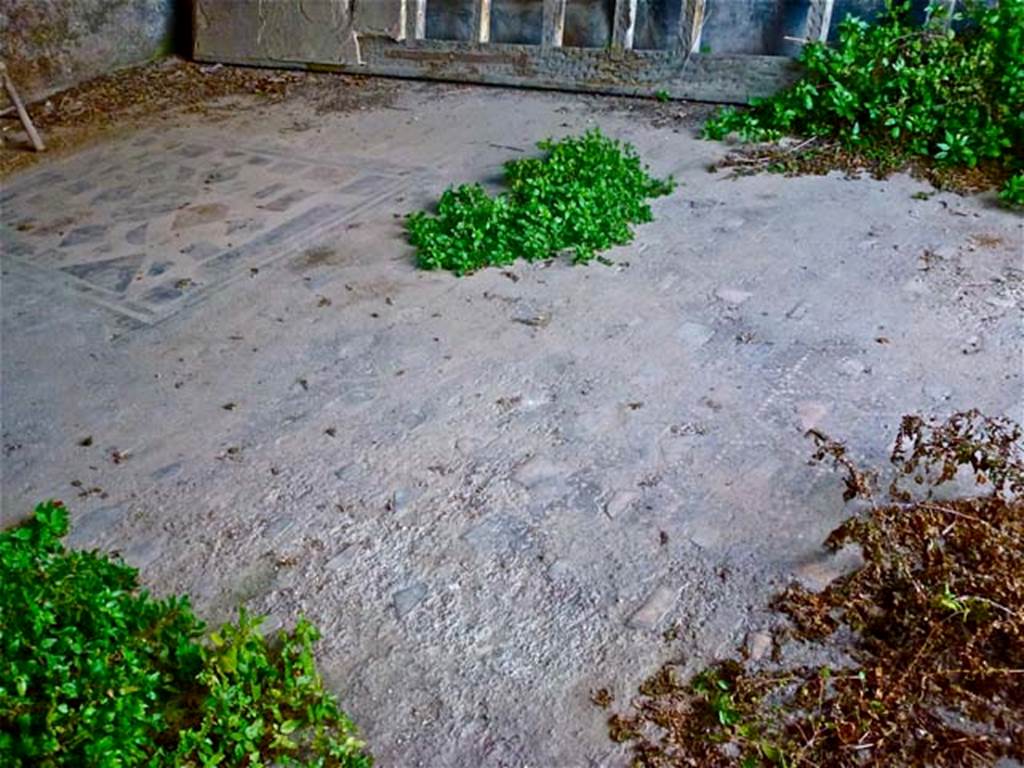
(494, 494)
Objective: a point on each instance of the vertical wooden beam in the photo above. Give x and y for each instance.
(415, 19)
(482, 21)
(819, 21)
(950, 10)
(624, 27)
(26, 121)
(691, 22)
(554, 24)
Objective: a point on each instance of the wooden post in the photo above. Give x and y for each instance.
(26, 121)
(950, 10)
(482, 21)
(692, 22)
(415, 19)
(554, 24)
(624, 27)
(819, 21)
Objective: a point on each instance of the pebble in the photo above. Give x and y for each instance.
(559, 571)
(758, 645)
(938, 392)
(345, 473)
(811, 414)
(619, 502)
(344, 558)
(973, 345)
(1002, 302)
(695, 335)
(916, 287)
(144, 553)
(798, 311)
(657, 604)
(733, 296)
(853, 366)
(818, 574)
(407, 599)
(401, 499)
(535, 471)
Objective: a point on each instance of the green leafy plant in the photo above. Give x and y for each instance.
(95, 672)
(266, 701)
(715, 690)
(895, 91)
(582, 196)
(1012, 192)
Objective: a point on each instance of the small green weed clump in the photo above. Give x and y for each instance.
(583, 197)
(95, 672)
(894, 91)
(1012, 192)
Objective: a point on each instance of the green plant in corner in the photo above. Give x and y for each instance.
(894, 92)
(95, 672)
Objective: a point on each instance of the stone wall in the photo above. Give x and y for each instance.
(52, 44)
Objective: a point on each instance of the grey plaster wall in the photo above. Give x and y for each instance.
(328, 31)
(52, 44)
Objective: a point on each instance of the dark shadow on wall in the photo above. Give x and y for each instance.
(753, 26)
(181, 28)
(775, 26)
(871, 10)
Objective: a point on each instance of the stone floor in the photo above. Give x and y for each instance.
(493, 494)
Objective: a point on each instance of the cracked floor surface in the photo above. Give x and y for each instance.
(493, 494)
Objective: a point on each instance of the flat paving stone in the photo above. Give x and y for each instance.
(654, 608)
(407, 599)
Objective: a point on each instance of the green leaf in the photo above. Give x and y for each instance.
(95, 672)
